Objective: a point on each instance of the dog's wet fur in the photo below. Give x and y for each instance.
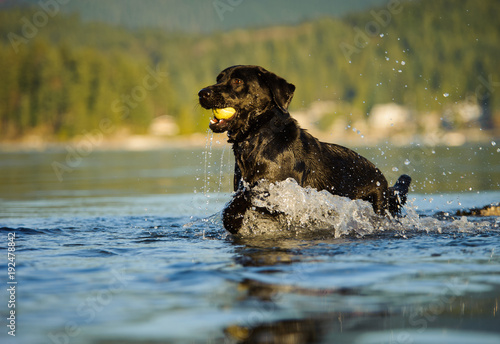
(269, 145)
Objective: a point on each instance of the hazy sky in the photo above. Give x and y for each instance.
(203, 15)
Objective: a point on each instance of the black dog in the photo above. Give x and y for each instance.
(269, 144)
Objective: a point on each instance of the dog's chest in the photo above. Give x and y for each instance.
(257, 161)
(249, 156)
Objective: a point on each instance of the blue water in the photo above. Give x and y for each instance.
(129, 248)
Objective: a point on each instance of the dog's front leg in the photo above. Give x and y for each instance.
(233, 214)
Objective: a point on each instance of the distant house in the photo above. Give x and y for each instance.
(463, 113)
(309, 117)
(386, 117)
(164, 126)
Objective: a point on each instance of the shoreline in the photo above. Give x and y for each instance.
(200, 140)
(126, 143)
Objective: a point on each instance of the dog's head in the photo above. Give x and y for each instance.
(241, 95)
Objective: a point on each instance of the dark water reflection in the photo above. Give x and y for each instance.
(370, 295)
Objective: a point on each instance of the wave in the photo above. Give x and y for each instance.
(297, 211)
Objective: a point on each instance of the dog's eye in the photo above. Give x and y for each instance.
(237, 81)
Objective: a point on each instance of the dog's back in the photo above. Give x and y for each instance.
(344, 172)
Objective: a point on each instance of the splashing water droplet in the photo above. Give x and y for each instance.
(395, 169)
(407, 162)
(446, 95)
(493, 143)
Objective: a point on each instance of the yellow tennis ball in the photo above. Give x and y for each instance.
(223, 113)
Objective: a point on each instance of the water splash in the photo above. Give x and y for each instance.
(221, 169)
(305, 210)
(293, 210)
(212, 171)
(208, 158)
(206, 171)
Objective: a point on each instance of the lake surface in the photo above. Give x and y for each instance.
(128, 247)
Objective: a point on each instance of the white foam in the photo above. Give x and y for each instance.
(297, 210)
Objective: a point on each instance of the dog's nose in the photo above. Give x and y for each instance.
(205, 93)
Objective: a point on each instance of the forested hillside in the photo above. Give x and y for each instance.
(63, 78)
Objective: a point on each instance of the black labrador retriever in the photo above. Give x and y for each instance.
(251, 103)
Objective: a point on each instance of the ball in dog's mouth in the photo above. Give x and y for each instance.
(222, 115)
(225, 113)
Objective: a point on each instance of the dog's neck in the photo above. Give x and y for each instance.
(273, 117)
(275, 134)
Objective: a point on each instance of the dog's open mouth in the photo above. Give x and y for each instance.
(221, 118)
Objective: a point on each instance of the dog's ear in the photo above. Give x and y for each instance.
(281, 90)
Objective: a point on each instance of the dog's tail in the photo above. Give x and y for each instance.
(397, 194)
